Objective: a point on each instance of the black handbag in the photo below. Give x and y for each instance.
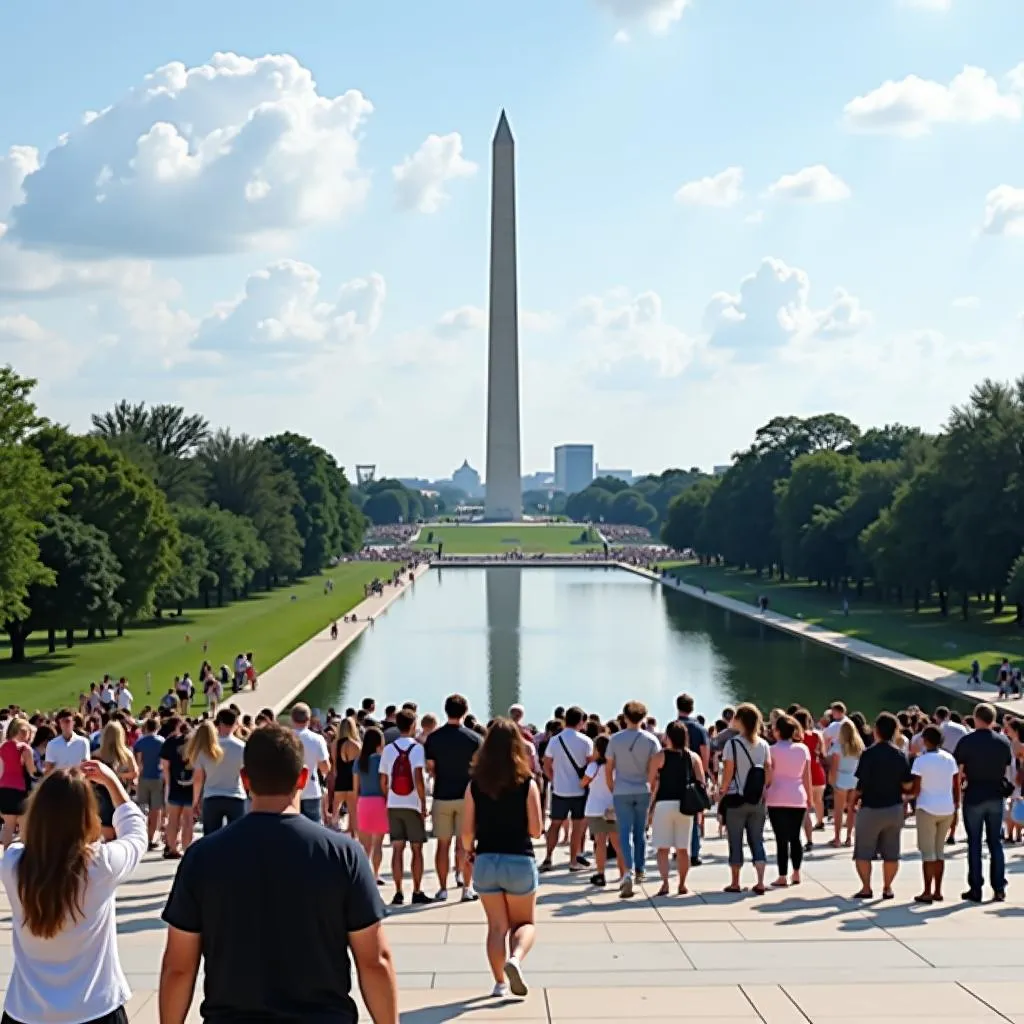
(695, 794)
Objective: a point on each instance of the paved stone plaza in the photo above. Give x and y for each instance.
(791, 956)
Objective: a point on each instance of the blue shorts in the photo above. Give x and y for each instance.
(494, 873)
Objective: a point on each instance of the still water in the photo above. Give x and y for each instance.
(589, 636)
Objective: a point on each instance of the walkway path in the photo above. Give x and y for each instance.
(283, 682)
(789, 957)
(954, 683)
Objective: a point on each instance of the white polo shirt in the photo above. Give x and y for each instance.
(315, 750)
(62, 753)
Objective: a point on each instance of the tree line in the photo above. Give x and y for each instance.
(644, 503)
(919, 517)
(150, 511)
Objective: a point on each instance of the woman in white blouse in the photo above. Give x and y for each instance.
(60, 881)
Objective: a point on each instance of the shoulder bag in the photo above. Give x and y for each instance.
(695, 795)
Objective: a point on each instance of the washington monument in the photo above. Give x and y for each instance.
(504, 501)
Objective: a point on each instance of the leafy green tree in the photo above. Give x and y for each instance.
(233, 549)
(887, 444)
(684, 523)
(388, 506)
(86, 577)
(593, 504)
(629, 509)
(192, 577)
(105, 490)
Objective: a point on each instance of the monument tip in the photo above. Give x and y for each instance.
(503, 135)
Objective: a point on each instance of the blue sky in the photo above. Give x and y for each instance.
(726, 213)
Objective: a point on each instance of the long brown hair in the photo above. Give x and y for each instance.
(501, 763)
(61, 823)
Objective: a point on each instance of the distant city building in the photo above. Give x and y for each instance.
(721, 470)
(574, 467)
(542, 481)
(467, 479)
(625, 475)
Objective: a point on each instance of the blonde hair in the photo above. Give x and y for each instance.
(113, 749)
(850, 742)
(203, 741)
(16, 727)
(348, 729)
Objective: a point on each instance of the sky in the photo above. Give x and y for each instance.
(277, 215)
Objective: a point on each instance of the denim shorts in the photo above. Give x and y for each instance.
(515, 874)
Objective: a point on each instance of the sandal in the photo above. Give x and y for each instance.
(759, 890)
(923, 898)
(862, 895)
(835, 844)
(732, 888)
(663, 891)
(779, 883)
(847, 841)
(682, 891)
(888, 895)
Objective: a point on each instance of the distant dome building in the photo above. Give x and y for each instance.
(467, 479)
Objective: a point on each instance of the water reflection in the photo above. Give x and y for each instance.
(504, 588)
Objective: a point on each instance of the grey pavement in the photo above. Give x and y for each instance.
(806, 954)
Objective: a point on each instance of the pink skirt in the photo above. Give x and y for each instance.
(372, 815)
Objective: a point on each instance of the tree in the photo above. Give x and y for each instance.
(387, 506)
(107, 491)
(234, 551)
(192, 577)
(887, 444)
(28, 494)
(591, 504)
(684, 523)
(86, 577)
(629, 509)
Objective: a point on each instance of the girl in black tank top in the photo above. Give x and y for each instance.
(674, 775)
(501, 823)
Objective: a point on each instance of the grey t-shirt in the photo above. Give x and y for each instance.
(222, 777)
(632, 750)
(756, 753)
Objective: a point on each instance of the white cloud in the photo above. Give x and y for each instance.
(966, 302)
(914, 105)
(1004, 211)
(772, 308)
(815, 184)
(283, 313)
(626, 337)
(472, 318)
(36, 351)
(722, 189)
(658, 15)
(198, 160)
(15, 167)
(420, 179)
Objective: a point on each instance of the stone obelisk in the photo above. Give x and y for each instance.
(504, 502)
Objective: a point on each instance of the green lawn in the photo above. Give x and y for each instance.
(270, 625)
(489, 540)
(925, 634)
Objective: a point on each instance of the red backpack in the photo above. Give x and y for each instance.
(401, 771)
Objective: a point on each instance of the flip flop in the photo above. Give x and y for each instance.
(869, 895)
(732, 888)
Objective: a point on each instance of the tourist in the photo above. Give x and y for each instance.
(68, 749)
(936, 790)
(502, 816)
(346, 752)
(600, 812)
(812, 740)
(837, 715)
(317, 761)
(565, 761)
(123, 696)
(183, 691)
(371, 809)
(788, 797)
(114, 753)
(40, 741)
(883, 774)
(149, 792)
(17, 769)
(449, 753)
(215, 753)
(746, 774)
(628, 770)
(401, 776)
(673, 770)
(282, 954)
(177, 774)
(700, 744)
(61, 883)
(844, 759)
(984, 757)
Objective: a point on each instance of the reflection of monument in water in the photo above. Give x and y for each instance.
(504, 600)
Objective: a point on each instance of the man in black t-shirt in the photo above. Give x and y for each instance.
(450, 751)
(883, 776)
(984, 756)
(282, 952)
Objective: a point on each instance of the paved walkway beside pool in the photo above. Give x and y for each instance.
(282, 683)
(790, 957)
(954, 683)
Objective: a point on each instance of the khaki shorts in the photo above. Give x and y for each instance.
(601, 826)
(150, 794)
(447, 816)
(406, 825)
(932, 830)
(671, 829)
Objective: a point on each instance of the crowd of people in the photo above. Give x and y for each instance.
(313, 799)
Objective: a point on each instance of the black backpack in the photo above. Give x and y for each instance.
(753, 786)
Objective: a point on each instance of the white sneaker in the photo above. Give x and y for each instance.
(470, 895)
(442, 895)
(500, 990)
(626, 887)
(514, 973)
